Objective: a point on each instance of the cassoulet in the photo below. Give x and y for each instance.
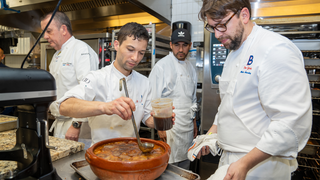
(126, 151)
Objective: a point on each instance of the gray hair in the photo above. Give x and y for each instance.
(61, 18)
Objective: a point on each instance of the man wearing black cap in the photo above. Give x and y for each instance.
(174, 77)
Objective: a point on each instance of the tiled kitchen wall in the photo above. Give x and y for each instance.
(187, 10)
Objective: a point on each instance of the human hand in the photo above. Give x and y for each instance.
(195, 129)
(204, 151)
(162, 136)
(121, 107)
(236, 171)
(72, 133)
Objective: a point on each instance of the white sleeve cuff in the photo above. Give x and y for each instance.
(279, 140)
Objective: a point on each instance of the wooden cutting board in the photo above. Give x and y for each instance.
(65, 148)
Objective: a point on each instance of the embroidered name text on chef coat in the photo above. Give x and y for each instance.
(248, 68)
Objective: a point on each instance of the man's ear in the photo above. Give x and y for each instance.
(64, 29)
(245, 15)
(190, 45)
(116, 45)
(170, 44)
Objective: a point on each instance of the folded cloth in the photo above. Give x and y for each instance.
(220, 173)
(193, 110)
(201, 141)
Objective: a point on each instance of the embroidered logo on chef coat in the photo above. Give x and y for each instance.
(66, 64)
(247, 68)
(86, 80)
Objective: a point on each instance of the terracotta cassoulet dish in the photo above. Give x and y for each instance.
(121, 158)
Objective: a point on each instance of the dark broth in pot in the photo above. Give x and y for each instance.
(126, 151)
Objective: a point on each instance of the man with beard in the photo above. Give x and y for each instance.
(265, 114)
(99, 96)
(174, 77)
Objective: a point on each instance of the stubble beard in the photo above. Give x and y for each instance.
(181, 59)
(236, 40)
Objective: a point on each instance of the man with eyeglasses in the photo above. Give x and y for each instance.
(265, 114)
(174, 77)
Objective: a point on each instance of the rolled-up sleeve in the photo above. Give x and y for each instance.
(285, 96)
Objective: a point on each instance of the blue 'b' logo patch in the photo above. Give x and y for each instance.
(250, 61)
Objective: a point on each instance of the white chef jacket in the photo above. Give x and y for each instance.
(171, 78)
(265, 103)
(103, 85)
(68, 66)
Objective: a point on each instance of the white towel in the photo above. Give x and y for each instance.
(220, 173)
(201, 141)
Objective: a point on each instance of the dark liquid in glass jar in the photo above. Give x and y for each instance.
(162, 124)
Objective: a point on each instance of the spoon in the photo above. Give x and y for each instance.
(144, 147)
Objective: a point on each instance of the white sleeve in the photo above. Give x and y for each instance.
(85, 90)
(285, 96)
(147, 105)
(84, 61)
(157, 82)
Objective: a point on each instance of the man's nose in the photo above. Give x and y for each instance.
(45, 35)
(217, 33)
(135, 56)
(180, 48)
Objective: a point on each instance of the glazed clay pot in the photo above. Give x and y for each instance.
(134, 170)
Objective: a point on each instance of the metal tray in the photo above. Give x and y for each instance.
(314, 77)
(315, 93)
(311, 62)
(172, 172)
(314, 148)
(7, 123)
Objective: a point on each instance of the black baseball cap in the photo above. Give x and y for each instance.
(180, 35)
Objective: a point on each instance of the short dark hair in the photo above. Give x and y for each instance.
(61, 18)
(218, 9)
(132, 29)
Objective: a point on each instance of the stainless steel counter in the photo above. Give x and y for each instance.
(65, 171)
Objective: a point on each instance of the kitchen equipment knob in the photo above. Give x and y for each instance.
(217, 78)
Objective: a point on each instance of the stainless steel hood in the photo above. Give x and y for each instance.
(87, 16)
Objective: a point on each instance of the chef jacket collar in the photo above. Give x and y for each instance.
(66, 43)
(119, 75)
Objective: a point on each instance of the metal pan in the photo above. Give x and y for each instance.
(172, 172)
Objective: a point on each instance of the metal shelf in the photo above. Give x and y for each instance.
(299, 32)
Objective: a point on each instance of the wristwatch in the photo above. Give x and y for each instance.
(76, 124)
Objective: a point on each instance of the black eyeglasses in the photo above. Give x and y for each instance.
(219, 27)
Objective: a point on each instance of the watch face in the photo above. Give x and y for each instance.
(76, 124)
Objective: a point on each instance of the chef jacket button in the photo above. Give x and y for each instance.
(237, 65)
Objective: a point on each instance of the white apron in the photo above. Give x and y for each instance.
(180, 136)
(229, 124)
(107, 127)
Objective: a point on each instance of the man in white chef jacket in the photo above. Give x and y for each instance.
(174, 77)
(69, 65)
(99, 96)
(2, 57)
(265, 114)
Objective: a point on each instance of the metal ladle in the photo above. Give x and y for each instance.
(144, 147)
